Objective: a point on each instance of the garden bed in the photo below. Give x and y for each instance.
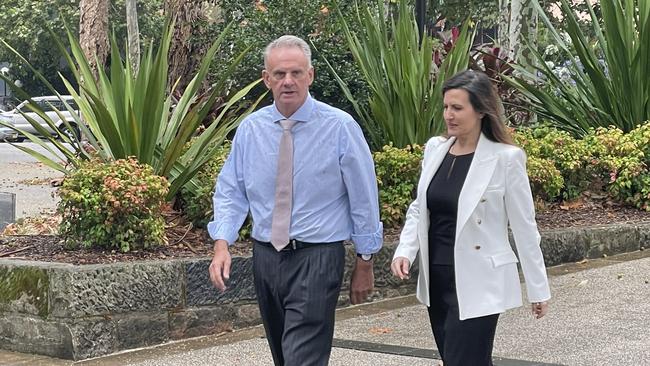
(197, 244)
(88, 303)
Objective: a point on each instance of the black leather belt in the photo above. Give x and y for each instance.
(296, 244)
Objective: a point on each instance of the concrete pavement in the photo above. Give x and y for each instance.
(28, 179)
(600, 315)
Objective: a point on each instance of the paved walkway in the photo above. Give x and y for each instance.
(600, 315)
(28, 179)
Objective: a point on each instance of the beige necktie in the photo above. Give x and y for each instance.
(283, 189)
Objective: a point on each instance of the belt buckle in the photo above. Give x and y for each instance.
(293, 243)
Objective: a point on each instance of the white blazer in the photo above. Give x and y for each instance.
(496, 192)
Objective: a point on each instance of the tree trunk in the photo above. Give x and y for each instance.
(514, 30)
(184, 56)
(522, 30)
(93, 32)
(503, 25)
(529, 33)
(133, 34)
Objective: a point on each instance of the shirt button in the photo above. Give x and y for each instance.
(478, 221)
(478, 247)
(483, 200)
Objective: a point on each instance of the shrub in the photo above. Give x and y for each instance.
(606, 160)
(569, 157)
(610, 152)
(397, 176)
(546, 181)
(397, 171)
(628, 161)
(640, 137)
(114, 205)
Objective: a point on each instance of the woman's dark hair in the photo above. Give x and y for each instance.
(484, 99)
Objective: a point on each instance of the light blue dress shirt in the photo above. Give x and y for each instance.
(334, 184)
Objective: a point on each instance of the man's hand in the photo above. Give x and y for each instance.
(362, 282)
(220, 266)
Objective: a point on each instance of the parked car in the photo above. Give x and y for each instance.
(49, 105)
(7, 134)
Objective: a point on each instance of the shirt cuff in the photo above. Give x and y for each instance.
(223, 231)
(369, 243)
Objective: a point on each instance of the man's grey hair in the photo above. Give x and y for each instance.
(288, 41)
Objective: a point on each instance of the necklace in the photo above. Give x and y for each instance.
(463, 159)
(451, 168)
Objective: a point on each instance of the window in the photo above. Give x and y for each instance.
(45, 105)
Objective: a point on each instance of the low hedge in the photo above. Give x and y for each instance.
(560, 167)
(116, 205)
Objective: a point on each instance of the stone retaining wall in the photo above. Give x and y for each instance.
(78, 312)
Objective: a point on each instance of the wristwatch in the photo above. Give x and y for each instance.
(365, 257)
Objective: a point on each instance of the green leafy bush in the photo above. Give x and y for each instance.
(315, 21)
(628, 161)
(115, 205)
(605, 160)
(567, 155)
(26, 23)
(559, 167)
(640, 138)
(397, 171)
(545, 178)
(546, 181)
(610, 152)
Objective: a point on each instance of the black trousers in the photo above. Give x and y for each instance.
(297, 291)
(460, 342)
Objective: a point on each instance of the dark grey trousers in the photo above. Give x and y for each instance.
(460, 342)
(297, 291)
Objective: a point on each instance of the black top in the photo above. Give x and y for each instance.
(442, 201)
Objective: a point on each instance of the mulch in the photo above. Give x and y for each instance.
(187, 242)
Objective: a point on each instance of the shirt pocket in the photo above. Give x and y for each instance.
(504, 258)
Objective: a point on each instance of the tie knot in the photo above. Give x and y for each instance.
(287, 124)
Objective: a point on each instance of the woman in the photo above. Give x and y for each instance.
(473, 184)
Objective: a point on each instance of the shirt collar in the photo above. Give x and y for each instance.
(303, 114)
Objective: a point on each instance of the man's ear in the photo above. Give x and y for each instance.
(312, 75)
(266, 77)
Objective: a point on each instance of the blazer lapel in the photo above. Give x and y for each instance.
(479, 175)
(430, 167)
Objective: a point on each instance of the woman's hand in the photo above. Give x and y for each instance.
(400, 267)
(539, 309)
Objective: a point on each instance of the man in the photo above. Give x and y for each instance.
(305, 172)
